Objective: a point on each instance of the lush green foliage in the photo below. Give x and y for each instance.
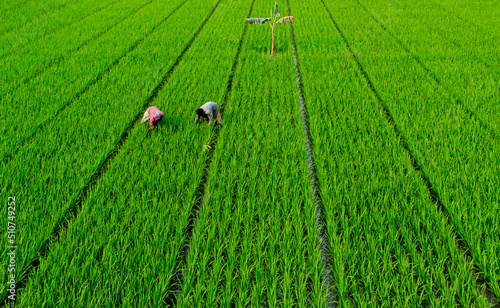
(389, 244)
(254, 242)
(405, 145)
(75, 74)
(460, 54)
(459, 157)
(50, 171)
(127, 230)
(37, 58)
(40, 19)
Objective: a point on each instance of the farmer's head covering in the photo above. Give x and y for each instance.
(157, 116)
(200, 112)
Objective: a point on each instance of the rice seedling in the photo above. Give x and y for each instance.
(75, 146)
(453, 151)
(62, 85)
(139, 234)
(387, 243)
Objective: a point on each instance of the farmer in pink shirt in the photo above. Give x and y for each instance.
(154, 115)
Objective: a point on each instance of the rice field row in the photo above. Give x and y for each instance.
(109, 214)
(118, 213)
(78, 73)
(389, 243)
(35, 24)
(69, 150)
(456, 154)
(448, 48)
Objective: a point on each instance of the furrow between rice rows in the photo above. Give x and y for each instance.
(37, 71)
(104, 149)
(32, 129)
(322, 241)
(422, 170)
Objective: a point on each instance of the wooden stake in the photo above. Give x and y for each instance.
(272, 45)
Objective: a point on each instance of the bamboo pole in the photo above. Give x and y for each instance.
(272, 46)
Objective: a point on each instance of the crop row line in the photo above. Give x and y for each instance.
(469, 112)
(433, 194)
(8, 53)
(199, 193)
(319, 216)
(53, 62)
(8, 156)
(72, 210)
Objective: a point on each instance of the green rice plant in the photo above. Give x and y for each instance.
(272, 22)
(390, 245)
(54, 48)
(457, 155)
(74, 148)
(48, 93)
(133, 223)
(30, 24)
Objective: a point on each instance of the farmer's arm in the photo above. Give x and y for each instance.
(151, 123)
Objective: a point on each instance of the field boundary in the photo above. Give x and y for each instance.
(433, 195)
(471, 114)
(321, 235)
(7, 157)
(63, 57)
(8, 53)
(177, 280)
(72, 211)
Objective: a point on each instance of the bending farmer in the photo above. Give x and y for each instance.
(154, 115)
(209, 111)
